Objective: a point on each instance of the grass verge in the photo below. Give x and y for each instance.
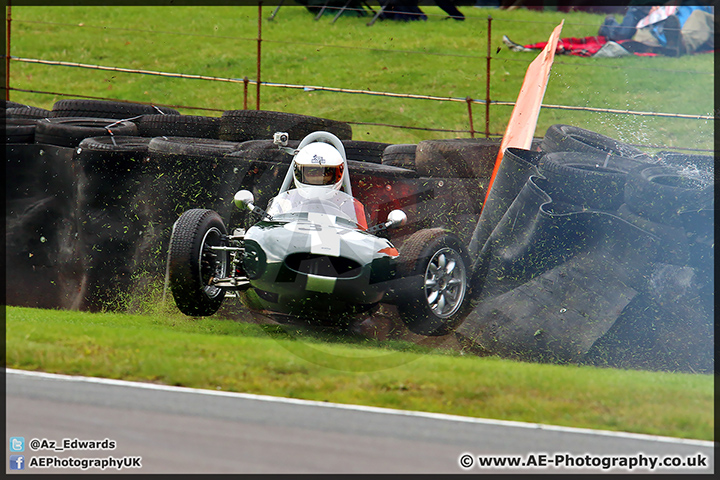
(437, 57)
(222, 354)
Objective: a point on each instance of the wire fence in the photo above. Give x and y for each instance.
(256, 82)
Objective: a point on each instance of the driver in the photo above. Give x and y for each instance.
(319, 166)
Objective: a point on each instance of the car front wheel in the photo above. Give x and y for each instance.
(193, 264)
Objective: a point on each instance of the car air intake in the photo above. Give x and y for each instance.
(323, 265)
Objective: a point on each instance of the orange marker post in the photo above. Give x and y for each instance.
(521, 127)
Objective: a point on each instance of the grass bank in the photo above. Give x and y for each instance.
(438, 57)
(222, 354)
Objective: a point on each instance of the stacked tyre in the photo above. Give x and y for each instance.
(670, 198)
(676, 204)
(21, 121)
(586, 168)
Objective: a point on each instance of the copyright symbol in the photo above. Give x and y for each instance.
(34, 444)
(466, 460)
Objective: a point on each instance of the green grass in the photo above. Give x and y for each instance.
(437, 57)
(221, 354)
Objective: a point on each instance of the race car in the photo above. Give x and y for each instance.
(312, 255)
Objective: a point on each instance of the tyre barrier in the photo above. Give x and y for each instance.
(517, 167)
(242, 125)
(159, 125)
(27, 112)
(591, 179)
(679, 204)
(700, 165)
(588, 257)
(105, 109)
(109, 215)
(191, 147)
(663, 193)
(70, 131)
(41, 255)
(459, 157)
(567, 138)
(399, 155)
(266, 150)
(20, 130)
(364, 151)
(8, 104)
(557, 275)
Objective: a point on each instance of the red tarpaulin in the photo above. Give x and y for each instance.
(589, 46)
(584, 46)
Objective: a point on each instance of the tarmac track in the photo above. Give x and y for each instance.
(182, 430)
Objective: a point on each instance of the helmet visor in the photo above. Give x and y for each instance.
(318, 174)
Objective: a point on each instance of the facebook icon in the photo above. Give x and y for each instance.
(17, 462)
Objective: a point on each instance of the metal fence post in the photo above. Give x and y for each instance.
(259, 42)
(469, 104)
(246, 82)
(7, 53)
(487, 79)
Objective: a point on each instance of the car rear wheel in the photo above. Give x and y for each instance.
(436, 267)
(192, 263)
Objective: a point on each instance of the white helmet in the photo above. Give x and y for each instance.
(318, 165)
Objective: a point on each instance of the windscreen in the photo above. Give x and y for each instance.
(329, 202)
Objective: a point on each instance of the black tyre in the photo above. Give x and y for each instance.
(27, 112)
(663, 193)
(400, 155)
(127, 144)
(590, 179)
(108, 173)
(243, 125)
(266, 150)
(436, 270)
(70, 131)
(378, 170)
(178, 126)
(193, 264)
(364, 151)
(193, 147)
(703, 165)
(457, 158)
(106, 109)
(263, 151)
(566, 138)
(8, 104)
(20, 130)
